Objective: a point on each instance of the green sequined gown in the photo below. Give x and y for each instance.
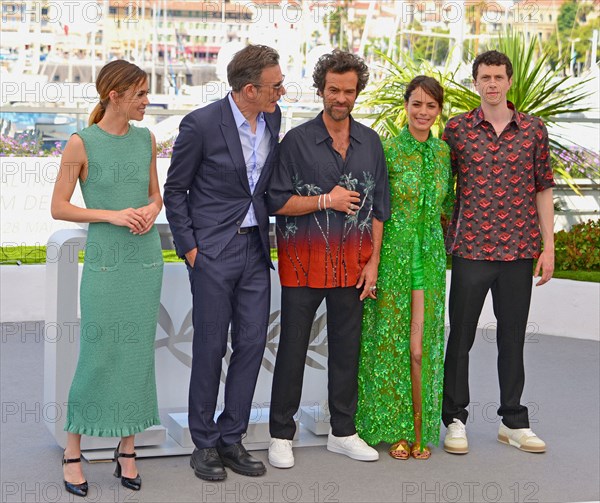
(420, 178)
(113, 393)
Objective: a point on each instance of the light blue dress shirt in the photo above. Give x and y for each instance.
(255, 147)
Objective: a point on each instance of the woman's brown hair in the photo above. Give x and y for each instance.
(431, 86)
(117, 76)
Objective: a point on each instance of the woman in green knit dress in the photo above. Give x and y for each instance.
(401, 362)
(113, 393)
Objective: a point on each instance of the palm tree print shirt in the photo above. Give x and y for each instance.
(328, 248)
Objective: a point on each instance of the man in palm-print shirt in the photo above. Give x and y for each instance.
(330, 195)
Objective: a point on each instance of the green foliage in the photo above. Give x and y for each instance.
(333, 22)
(572, 25)
(22, 254)
(424, 48)
(567, 16)
(579, 248)
(437, 47)
(170, 256)
(336, 23)
(589, 276)
(584, 34)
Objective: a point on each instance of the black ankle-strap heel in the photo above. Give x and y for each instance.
(76, 489)
(134, 484)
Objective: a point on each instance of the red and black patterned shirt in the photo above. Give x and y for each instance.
(495, 215)
(327, 249)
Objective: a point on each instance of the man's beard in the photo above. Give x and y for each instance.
(337, 115)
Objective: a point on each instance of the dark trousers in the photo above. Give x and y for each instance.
(234, 288)
(510, 283)
(344, 318)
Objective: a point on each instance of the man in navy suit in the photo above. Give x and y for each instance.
(215, 200)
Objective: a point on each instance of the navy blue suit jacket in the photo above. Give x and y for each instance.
(207, 194)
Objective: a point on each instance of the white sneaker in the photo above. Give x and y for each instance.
(521, 438)
(280, 453)
(455, 441)
(353, 446)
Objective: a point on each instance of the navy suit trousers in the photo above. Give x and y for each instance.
(233, 288)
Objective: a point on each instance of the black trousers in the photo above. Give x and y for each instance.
(510, 283)
(344, 318)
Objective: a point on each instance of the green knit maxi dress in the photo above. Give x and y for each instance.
(113, 393)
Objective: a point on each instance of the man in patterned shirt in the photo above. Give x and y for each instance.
(330, 195)
(503, 207)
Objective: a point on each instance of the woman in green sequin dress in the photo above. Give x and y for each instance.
(113, 393)
(401, 362)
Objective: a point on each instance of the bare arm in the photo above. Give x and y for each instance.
(368, 276)
(545, 208)
(72, 165)
(339, 199)
(152, 209)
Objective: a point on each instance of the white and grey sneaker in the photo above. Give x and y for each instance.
(521, 438)
(352, 446)
(455, 441)
(280, 453)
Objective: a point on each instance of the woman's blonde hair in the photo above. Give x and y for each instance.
(117, 76)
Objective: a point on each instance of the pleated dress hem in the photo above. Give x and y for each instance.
(112, 432)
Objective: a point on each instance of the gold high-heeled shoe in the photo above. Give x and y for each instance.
(418, 452)
(399, 450)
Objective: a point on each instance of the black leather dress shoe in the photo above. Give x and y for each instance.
(236, 457)
(207, 464)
